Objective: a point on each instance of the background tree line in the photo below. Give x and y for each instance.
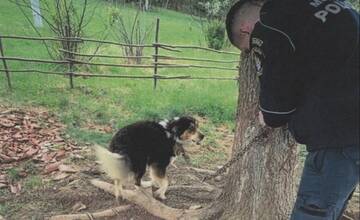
(211, 15)
(196, 7)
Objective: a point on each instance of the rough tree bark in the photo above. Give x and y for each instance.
(261, 185)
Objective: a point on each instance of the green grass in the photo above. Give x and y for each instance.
(29, 167)
(89, 136)
(5, 208)
(13, 174)
(33, 182)
(105, 101)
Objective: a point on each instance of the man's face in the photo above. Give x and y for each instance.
(244, 24)
(242, 34)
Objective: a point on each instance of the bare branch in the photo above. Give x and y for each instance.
(82, 18)
(92, 14)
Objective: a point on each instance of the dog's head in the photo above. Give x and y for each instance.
(186, 129)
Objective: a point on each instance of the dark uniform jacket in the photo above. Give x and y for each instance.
(307, 57)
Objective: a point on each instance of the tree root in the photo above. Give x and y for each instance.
(90, 216)
(206, 188)
(143, 199)
(204, 171)
(196, 192)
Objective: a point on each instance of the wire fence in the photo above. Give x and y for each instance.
(158, 60)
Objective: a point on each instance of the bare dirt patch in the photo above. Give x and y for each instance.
(60, 197)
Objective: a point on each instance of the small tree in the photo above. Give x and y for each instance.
(213, 26)
(134, 34)
(145, 5)
(215, 34)
(64, 20)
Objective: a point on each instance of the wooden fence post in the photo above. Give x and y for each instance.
(70, 58)
(7, 73)
(156, 51)
(71, 73)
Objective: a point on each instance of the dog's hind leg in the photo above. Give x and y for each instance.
(159, 178)
(163, 183)
(139, 173)
(153, 178)
(118, 189)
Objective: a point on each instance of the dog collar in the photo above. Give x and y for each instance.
(164, 123)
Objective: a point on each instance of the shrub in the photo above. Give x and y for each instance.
(215, 34)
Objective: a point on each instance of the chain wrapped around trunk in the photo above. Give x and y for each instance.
(262, 133)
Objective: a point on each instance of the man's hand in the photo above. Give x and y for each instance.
(261, 119)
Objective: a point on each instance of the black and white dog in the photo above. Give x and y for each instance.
(147, 144)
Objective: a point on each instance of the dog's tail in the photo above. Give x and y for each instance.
(113, 164)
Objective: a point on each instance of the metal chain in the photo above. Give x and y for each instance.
(263, 133)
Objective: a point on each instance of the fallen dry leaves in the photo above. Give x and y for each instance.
(36, 136)
(51, 167)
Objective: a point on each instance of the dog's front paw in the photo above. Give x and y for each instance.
(172, 164)
(159, 194)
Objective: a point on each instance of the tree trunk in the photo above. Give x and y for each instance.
(146, 5)
(261, 185)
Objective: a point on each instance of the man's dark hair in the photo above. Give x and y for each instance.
(231, 16)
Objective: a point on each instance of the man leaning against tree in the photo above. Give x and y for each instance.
(306, 54)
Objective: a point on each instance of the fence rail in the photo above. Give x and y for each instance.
(196, 47)
(156, 65)
(162, 57)
(118, 76)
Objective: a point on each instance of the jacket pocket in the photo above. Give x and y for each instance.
(316, 160)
